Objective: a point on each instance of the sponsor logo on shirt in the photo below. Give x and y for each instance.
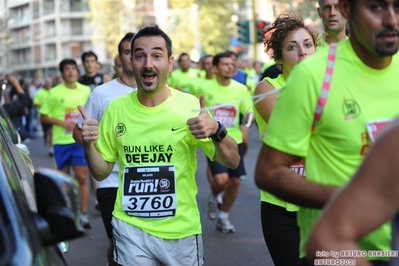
(350, 108)
(120, 129)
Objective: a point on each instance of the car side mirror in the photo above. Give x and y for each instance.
(58, 202)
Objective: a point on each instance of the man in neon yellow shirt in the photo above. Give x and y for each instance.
(60, 110)
(156, 217)
(334, 24)
(221, 91)
(182, 76)
(207, 67)
(365, 62)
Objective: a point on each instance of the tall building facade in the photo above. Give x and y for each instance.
(37, 34)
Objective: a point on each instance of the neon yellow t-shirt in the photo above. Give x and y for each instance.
(358, 94)
(62, 103)
(216, 94)
(182, 80)
(277, 83)
(157, 143)
(40, 97)
(322, 44)
(195, 84)
(251, 84)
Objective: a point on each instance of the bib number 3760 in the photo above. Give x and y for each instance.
(149, 191)
(150, 202)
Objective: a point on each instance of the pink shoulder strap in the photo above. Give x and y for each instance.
(326, 85)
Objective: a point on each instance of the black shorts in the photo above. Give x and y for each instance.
(217, 168)
(106, 200)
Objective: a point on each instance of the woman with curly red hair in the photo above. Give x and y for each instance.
(291, 41)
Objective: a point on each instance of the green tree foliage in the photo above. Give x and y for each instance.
(106, 17)
(305, 8)
(216, 26)
(181, 27)
(211, 30)
(202, 25)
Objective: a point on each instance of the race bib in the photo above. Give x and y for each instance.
(225, 115)
(299, 168)
(149, 191)
(72, 116)
(374, 128)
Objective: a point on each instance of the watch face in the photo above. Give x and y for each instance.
(223, 132)
(220, 133)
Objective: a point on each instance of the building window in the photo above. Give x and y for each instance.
(78, 5)
(50, 52)
(38, 55)
(50, 29)
(36, 12)
(48, 7)
(37, 32)
(76, 49)
(76, 27)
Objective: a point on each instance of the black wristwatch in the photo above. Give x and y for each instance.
(221, 132)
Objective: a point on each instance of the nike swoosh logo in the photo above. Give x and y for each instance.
(176, 128)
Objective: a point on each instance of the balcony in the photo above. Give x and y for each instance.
(19, 42)
(50, 58)
(19, 21)
(17, 3)
(76, 33)
(21, 63)
(74, 7)
(48, 6)
(49, 35)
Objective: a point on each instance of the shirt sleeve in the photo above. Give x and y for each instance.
(48, 104)
(289, 127)
(246, 105)
(106, 143)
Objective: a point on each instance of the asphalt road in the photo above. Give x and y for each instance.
(244, 247)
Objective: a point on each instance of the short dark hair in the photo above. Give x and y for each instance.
(205, 57)
(128, 37)
(217, 57)
(232, 53)
(88, 54)
(152, 31)
(65, 62)
(181, 55)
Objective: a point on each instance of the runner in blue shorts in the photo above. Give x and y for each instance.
(60, 110)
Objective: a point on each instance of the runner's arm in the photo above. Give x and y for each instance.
(227, 152)
(77, 134)
(274, 175)
(98, 167)
(204, 126)
(68, 125)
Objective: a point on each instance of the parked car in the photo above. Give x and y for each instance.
(38, 208)
(9, 126)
